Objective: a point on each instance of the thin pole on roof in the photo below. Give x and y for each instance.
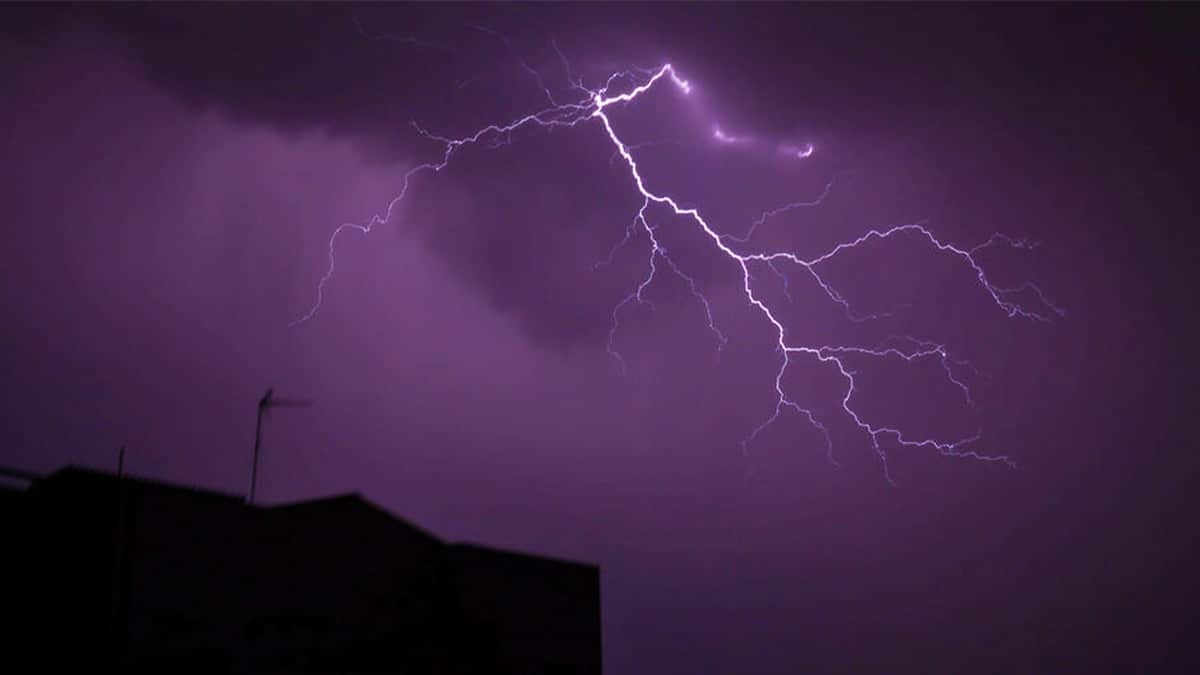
(265, 403)
(118, 552)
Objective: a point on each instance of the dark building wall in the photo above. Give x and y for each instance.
(358, 588)
(533, 613)
(16, 589)
(131, 567)
(167, 579)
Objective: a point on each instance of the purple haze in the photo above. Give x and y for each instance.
(172, 176)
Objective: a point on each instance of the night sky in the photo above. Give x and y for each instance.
(172, 175)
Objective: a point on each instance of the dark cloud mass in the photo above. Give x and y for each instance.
(172, 174)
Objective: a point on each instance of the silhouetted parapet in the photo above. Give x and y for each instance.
(535, 612)
(166, 578)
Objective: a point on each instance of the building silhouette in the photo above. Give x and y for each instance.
(143, 576)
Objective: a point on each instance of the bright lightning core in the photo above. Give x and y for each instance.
(592, 107)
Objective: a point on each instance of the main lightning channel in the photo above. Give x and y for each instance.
(595, 107)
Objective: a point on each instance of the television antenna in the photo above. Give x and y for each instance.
(265, 403)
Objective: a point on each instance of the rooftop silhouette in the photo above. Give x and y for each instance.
(146, 576)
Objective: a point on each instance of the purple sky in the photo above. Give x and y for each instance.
(172, 174)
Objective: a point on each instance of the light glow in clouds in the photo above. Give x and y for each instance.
(593, 107)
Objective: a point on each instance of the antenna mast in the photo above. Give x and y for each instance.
(265, 403)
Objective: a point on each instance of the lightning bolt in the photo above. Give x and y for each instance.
(593, 107)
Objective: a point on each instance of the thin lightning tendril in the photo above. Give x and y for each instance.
(595, 107)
